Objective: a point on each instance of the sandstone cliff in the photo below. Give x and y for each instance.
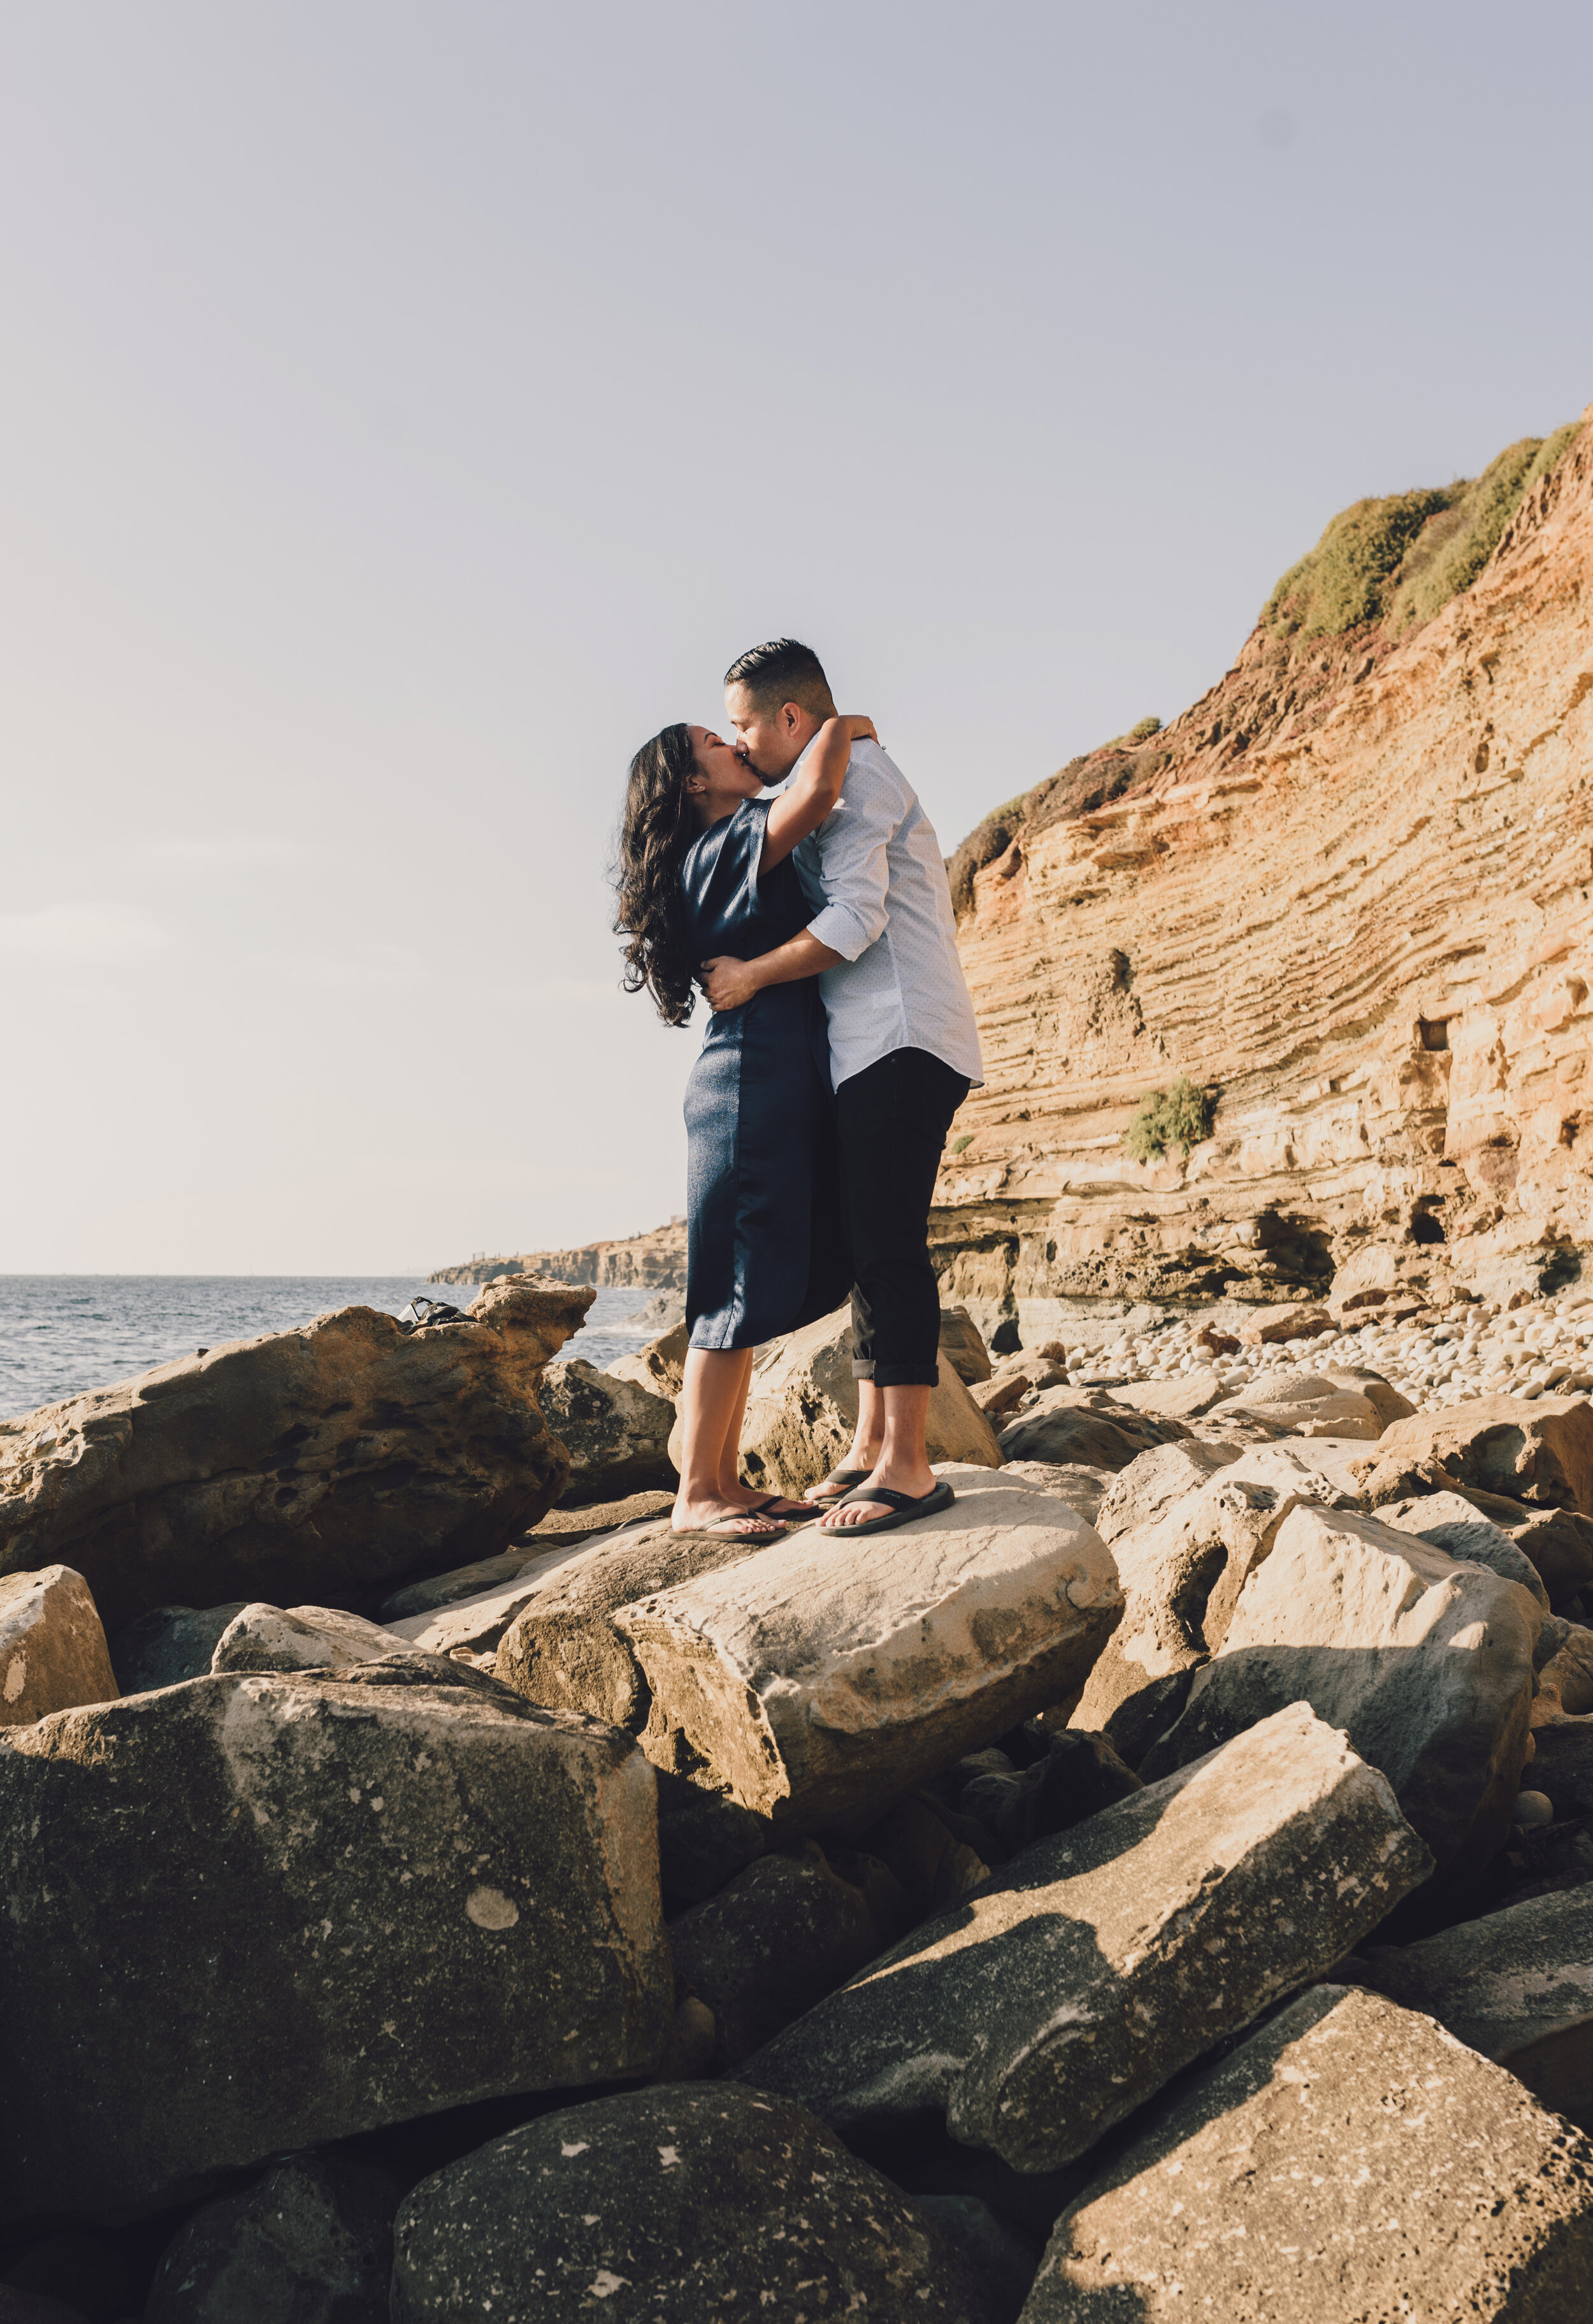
(1349, 896)
(655, 1261)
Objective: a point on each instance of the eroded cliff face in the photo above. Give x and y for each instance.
(654, 1261)
(1351, 890)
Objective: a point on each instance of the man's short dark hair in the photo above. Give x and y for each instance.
(782, 670)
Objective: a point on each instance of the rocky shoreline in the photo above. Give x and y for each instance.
(548, 1914)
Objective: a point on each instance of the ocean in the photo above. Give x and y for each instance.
(62, 1334)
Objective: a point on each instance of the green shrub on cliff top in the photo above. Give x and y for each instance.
(1178, 1116)
(1401, 559)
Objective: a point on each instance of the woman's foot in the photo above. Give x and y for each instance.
(719, 1515)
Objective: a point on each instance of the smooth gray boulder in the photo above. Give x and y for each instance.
(167, 1643)
(1152, 1481)
(615, 1431)
(263, 1637)
(1182, 1576)
(782, 1934)
(1076, 1983)
(52, 1650)
(1517, 1985)
(1426, 1665)
(1350, 2160)
(257, 1913)
(1464, 1533)
(312, 2241)
(676, 2205)
(809, 1682)
(1560, 1543)
(318, 1464)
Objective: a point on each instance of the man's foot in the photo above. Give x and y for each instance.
(915, 1482)
(841, 1481)
(726, 1517)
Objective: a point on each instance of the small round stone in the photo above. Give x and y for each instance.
(1533, 1808)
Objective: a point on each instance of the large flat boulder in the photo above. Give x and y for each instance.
(1075, 1984)
(801, 1410)
(311, 1464)
(1151, 1484)
(676, 2205)
(1538, 1451)
(1515, 1985)
(615, 1431)
(811, 1681)
(1350, 2160)
(52, 1650)
(1182, 1573)
(1425, 1663)
(564, 1648)
(258, 1913)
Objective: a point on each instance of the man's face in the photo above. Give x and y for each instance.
(770, 740)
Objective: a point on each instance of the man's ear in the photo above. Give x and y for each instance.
(790, 716)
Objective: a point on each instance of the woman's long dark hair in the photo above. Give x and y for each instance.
(658, 826)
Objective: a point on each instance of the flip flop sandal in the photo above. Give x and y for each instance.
(798, 1509)
(903, 1508)
(844, 1480)
(736, 1528)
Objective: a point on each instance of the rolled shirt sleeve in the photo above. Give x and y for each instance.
(852, 845)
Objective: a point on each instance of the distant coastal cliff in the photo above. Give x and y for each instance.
(655, 1261)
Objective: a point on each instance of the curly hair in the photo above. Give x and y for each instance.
(658, 827)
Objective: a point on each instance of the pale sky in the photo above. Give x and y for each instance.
(409, 409)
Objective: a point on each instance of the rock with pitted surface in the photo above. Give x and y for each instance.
(808, 1682)
(782, 1934)
(257, 1913)
(312, 2241)
(1538, 1451)
(1517, 1986)
(1425, 1663)
(615, 1431)
(659, 1368)
(1077, 1982)
(1350, 2158)
(1182, 1574)
(801, 1410)
(319, 1463)
(675, 2205)
(52, 1650)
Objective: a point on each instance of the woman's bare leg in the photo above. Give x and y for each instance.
(732, 1489)
(713, 1398)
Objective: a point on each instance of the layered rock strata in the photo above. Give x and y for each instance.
(1349, 892)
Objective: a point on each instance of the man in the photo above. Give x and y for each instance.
(904, 1052)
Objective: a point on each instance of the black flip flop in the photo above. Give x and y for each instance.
(844, 1479)
(903, 1508)
(786, 1517)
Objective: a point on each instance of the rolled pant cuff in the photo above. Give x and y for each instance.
(899, 1375)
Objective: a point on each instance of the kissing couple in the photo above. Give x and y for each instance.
(793, 876)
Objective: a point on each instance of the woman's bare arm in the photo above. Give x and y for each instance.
(813, 790)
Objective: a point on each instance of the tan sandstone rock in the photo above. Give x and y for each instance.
(1517, 1986)
(801, 1410)
(1075, 1984)
(262, 1637)
(1539, 1451)
(1425, 1663)
(1350, 2158)
(310, 1463)
(52, 1650)
(810, 1681)
(254, 1913)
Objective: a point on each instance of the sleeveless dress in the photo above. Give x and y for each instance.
(766, 1249)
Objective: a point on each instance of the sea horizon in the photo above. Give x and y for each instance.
(64, 1333)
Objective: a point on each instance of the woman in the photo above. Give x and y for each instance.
(705, 869)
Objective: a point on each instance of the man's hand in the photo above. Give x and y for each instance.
(728, 984)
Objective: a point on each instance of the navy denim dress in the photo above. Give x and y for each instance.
(765, 1248)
